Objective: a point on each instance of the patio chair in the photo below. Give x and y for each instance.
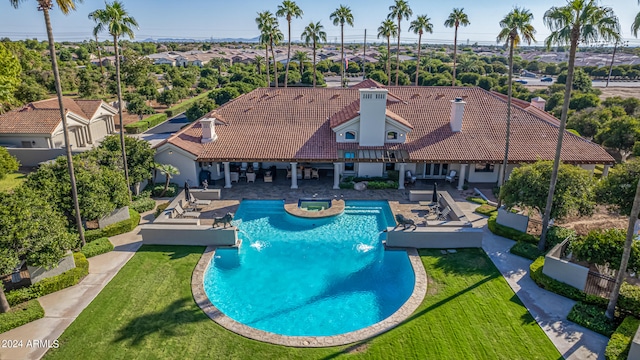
(234, 176)
(314, 173)
(288, 173)
(307, 173)
(451, 177)
(198, 203)
(268, 177)
(251, 177)
(444, 214)
(409, 178)
(186, 214)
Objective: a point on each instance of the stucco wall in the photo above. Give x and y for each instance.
(40, 273)
(562, 270)
(33, 157)
(482, 177)
(41, 141)
(210, 194)
(514, 221)
(188, 167)
(187, 235)
(116, 215)
(435, 237)
(98, 129)
(370, 169)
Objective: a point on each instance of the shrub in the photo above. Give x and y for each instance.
(620, 342)
(161, 208)
(592, 317)
(118, 228)
(185, 105)
(15, 297)
(476, 200)
(157, 189)
(97, 247)
(346, 185)
(143, 204)
(526, 250)
(66, 279)
(486, 209)
(156, 119)
(558, 234)
(137, 127)
(393, 175)
(382, 185)
(20, 315)
(508, 232)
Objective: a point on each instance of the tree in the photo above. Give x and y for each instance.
(419, 26)
(309, 78)
(135, 69)
(262, 21)
(200, 109)
(579, 21)
(581, 80)
(222, 96)
(271, 35)
(10, 70)
(139, 157)
(399, 10)
(455, 20)
(8, 163)
(168, 98)
(528, 185)
(65, 6)
(620, 133)
(602, 247)
(618, 188)
(115, 19)
(168, 171)
(312, 34)
(341, 16)
(137, 105)
(587, 122)
(32, 230)
(289, 9)
(301, 57)
(388, 29)
(581, 101)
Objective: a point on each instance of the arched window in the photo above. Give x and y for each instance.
(392, 135)
(350, 135)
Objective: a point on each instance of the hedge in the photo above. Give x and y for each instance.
(143, 204)
(486, 209)
(20, 315)
(143, 125)
(97, 247)
(182, 107)
(508, 232)
(476, 200)
(114, 229)
(592, 317)
(526, 250)
(52, 284)
(620, 342)
(161, 208)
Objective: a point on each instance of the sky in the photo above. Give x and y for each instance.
(204, 19)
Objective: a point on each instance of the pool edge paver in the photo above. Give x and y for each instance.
(397, 318)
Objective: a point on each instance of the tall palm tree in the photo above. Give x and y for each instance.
(117, 22)
(456, 19)
(271, 35)
(99, 55)
(312, 34)
(581, 21)
(341, 16)
(65, 6)
(399, 10)
(419, 26)
(516, 27)
(636, 24)
(275, 38)
(288, 9)
(258, 60)
(263, 21)
(301, 57)
(388, 29)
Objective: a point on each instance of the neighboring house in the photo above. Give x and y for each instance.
(368, 129)
(38, 124)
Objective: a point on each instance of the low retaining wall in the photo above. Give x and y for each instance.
(209, 194)
(563, 270)
(514, 221)
(634, 352)
(116, 216)
(194, 235)
(435, 237)
(41, 273)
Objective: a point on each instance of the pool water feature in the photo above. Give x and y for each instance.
(314, 204)
(310, 277)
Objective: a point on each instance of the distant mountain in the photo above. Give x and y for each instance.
(217, 40)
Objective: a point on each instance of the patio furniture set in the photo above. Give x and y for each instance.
(191, 208)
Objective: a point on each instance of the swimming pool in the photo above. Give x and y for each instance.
(310, 277)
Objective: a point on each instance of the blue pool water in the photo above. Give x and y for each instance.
(310, 277)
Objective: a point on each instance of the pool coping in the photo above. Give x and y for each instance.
(402, 314)
(337, 208)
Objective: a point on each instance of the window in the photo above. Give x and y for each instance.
(349, 166)
(389, 166)
(484, 167)
(392, 135)
(350, 135)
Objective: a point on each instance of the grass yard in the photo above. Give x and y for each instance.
(11, 181)
(147, 311)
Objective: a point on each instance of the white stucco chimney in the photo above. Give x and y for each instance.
(373, 107)
(538, 102)
(208, 130)
(457, 111)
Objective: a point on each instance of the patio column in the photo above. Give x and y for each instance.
(500, 179)
(294, 175)
(336, 175)
(401, 179)
(605, 171)
(463, 169)
(227, 175)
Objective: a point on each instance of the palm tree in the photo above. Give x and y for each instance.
(65, 6)
(258, 60)
(99, 55)
(312, 34)
(468, 64)
(168, 171)
(455, 20)
(398, 11)
(301, 57)
(341, 16)
(271, 35)
(419, 26)
(115, 20)
(388, 29)
(636, 24)
(288, 9)
(275, 38)
(516, 26)
(263, 21)
(579, 21)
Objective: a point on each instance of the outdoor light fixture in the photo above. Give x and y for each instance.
(170, 152)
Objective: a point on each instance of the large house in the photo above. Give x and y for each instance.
(368, 129)
(38, 124)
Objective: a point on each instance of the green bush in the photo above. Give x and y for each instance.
(143, 204)
(20, 315)
(114, 229)
(629, 300)
(145, 124)
(526, 250)
(346, 185)
(486, 209)
(97, 247)
(382, 185)
(476, 200)
(182, 107)
(156, 119)
(508, 232)
(592, 317)
(19, 296)
(558, 234)
(393, 175)
(157, 189)
(620, 342)
(161, 208)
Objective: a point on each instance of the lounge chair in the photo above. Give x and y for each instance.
(451, 177)
(198, 203)
(444, 214)
(251, 177)
(307, 173)
(314, 173)
(186, 214)
(268, 177)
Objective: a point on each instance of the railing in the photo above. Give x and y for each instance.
(599, 284)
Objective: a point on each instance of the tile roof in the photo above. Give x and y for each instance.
(89, 107)
(52, 103)
(295, 124)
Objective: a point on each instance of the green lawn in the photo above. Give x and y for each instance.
(147, 311)
(11, 181)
